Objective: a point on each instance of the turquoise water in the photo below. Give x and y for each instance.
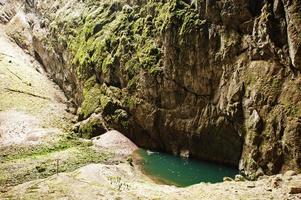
(174, 170)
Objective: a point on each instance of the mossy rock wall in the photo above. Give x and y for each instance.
(203, 76)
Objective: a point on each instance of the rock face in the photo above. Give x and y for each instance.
(217, 79)
(293, 19)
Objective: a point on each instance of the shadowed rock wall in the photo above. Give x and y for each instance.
(220, 79)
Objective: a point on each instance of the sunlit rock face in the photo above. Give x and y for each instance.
(217, 79)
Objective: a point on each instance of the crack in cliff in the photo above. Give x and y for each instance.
(189, 94)
(205, 97)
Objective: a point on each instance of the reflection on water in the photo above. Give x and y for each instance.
(171, 169)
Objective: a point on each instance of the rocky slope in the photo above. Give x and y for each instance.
(34, 123)
(219, 79)
(98, 181)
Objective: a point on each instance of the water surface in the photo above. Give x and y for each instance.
(169, 169)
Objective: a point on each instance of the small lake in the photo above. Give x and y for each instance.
(169, 169)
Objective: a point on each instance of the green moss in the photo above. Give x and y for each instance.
(268, 86)
(93, 127)
(43, 149)
(35, 162)
(92, 100)
(105, 101)
(121, 117)
(115, 33)
(132, 84)
(41, 166)
(110, 36)
(89, 84)
(291, 99)
(117, 43)
(155, 70)
(107, 63)
(130, 102)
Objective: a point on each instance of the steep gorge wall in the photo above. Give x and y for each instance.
(217, 79)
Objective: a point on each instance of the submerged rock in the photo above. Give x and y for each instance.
(184, 154)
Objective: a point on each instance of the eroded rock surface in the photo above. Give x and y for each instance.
(219, 79)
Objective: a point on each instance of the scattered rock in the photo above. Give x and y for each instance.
(295, 189)
(276, 182)
(290, 173)
(262, 177)
(239, 177)
(41, 168)
(268, 189)
(227, 179)
(251, 185)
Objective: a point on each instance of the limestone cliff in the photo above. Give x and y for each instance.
(220, 79)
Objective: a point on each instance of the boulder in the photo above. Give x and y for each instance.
(115, 142)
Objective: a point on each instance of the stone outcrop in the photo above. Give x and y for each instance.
(217, 79)
(293, 18)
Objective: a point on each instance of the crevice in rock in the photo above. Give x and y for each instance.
(40, 60)
(203, 96)
(255, 7)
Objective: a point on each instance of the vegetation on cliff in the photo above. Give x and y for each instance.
(179, 76)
